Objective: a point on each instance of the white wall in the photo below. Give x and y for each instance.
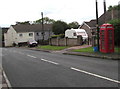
(40, 37)
(10, 37)
(25, 37)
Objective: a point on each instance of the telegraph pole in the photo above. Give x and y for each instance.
(42, 26)
(104, 4)
(97, 25)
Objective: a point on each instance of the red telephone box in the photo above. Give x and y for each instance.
(107, 38)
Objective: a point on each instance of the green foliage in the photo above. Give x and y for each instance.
(116, 24)
(26, 22)
(89, 49)
(54, 36)
(60, 36)
(116, 7)
(48, 47)
(59, 27)
(46, 20)
(73, 25)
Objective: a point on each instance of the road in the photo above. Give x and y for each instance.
(29, 68)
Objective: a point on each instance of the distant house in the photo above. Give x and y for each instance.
(21, 33)
(4, 31)
(90, 27)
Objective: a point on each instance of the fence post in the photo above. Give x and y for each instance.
(65, 40)
(50, 41)
(57, 41)
(79, 40)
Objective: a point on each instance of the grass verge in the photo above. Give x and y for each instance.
(48, 47)
(90, 49)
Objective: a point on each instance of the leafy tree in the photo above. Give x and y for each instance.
(46, 20)
(59, 27)
(26, 22)
(74, 25)
(116, 24)
(116, 7)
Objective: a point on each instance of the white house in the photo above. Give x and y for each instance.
(73, 33)
(21, 33)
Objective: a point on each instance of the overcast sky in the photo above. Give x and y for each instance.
(66, 10)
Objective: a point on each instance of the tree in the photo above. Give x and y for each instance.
(116, 24)
(74, 25)
(59, 27)
(115, 7)
(26, 22)
(46, 20)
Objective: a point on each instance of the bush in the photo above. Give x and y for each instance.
(116, 24)
(54, 36)
(60, 36)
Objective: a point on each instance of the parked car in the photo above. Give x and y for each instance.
(32, 43)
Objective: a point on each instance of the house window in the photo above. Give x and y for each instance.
(30, 34)
(74, 34)
(37, 34)
(20, 35)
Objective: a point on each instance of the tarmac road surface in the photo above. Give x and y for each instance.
(28, 68)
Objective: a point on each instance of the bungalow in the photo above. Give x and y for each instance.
(21, 33)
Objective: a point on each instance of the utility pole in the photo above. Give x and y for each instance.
(42, 26)
(104, 4)
(97, 25)
(119, 26)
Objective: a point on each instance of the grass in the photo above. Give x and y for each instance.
(48, 47)
(90, 49)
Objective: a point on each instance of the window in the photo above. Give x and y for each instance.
(30, 34)
(20, 35)
(103, 27)
(74, 34)
(37, 34)
(109, 27)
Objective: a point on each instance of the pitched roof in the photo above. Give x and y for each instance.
(92, 23)
(109, 15)
(31, 27)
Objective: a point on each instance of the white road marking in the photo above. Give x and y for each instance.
(32, 56)
(50, 61)
(99, 76)
(8, 82)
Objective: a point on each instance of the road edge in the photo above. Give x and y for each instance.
(6, 79)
